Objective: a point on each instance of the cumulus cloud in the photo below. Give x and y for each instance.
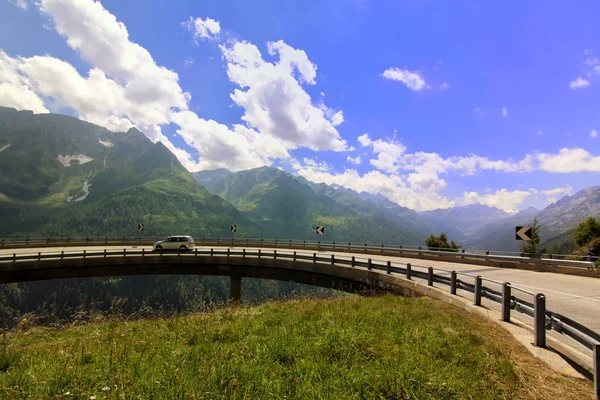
(593, 133)
(569, 160)
(444, 86)
(202, 29)
(354, 160)
(503, 199)
(125, 87)
(20, 3)
(579, 83)
(412, 80)
(504, 112)
(15, 87)
(273, 99)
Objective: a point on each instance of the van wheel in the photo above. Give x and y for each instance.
(182, 247)
(159, 247)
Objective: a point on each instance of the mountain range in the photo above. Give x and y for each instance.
(60, 176)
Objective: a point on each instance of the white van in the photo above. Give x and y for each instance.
(175, 243)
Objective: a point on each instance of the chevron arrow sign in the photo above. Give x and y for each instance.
(523, 233)
(320, 230)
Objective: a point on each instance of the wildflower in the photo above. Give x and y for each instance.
(105, 389)
(92, 397)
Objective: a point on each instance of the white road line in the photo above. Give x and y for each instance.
(561, 293)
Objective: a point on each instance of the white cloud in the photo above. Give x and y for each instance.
(388, 153)
(444, 86)
(504, 112)
(273, 99)
(20, 3)
(354, 160)
(569, 160)
(579, 83)
(391, 186)
(540, 132)
(503, 199)
(202, 28)
(314, 165)
(15, 88)
(188, 61)
(412, 80)
(593, 133)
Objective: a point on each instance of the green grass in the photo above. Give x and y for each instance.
(373, 348)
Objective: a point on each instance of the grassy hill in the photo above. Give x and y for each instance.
(380, 347)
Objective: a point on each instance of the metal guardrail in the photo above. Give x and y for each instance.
(543, 319)
(550, 259)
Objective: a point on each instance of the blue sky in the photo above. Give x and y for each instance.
(494, 103)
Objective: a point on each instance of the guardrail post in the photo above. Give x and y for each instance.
(124, 252)
(290, 243)
(365, 248)
(275, 254)
(430, 276)
(353, 261)
(596, 347)
(14, 257)
(217, 240)
(477, 291)
(232, 241)
(453, 282)
(319, 245)
(334, 245)
(212, 252)
(84, 254)
(506, 302)
(246, 241)
(227, 252)
(87, 240)
(143, 252)
(369, 267)
(408, 271)
(196, 252)
(389, 267)
(68, 240)
(261, 243)
(303, 243)
(244, 253)
(539, 320)
(104, 253)
(39, 255)
(259, 254)
(26, 240)
(105, 240)
(332, 259)
(382, 247)
(314, 257)
(349, 246)
(294, 256)
(62, 254)
(202, 240)
(275, 242)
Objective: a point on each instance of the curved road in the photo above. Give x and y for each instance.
(574, 296)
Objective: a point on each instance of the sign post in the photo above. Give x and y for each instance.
(233, 231)
(524, 233)
(141, 230)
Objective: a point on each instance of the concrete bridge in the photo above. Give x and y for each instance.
(337, 270)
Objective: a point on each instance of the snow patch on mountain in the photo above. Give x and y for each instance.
(6, 146)
(83, 193)
(106, 143)
(80, 159)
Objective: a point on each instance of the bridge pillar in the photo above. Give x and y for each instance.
(235, 289)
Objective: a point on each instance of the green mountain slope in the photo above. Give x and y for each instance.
(287, 207)
(128, 180)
